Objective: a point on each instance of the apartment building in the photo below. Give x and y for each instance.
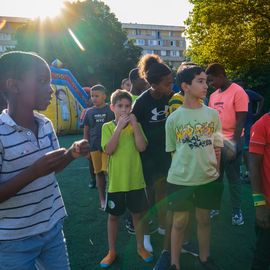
(8, 28)
(166, 41)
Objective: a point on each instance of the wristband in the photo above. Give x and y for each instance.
(258, 199)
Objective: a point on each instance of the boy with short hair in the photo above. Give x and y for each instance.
(32, 208)
(259, 164)
(95, 117)
(193, 136)
(122, 140)
(231, 102)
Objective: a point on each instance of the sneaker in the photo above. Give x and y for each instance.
(108, 259)
(208, 265)
(130, 227)
(145, 255)
(237, 218)
(164, 261)
(190, 248)
(92, 184)
(161, 231)
(147, 243)
(214, 213)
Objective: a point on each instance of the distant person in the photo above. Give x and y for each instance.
(259, 164)
(123, 140)
(126, 84)
(231, 101)
(95, 117)
(193, 136)
(255, 100)
(138, 84)
(151, 110)
(32, 208)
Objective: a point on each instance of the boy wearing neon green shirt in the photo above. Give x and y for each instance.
(123, 140)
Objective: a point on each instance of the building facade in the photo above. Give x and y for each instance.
(8, 28)
(164, 40)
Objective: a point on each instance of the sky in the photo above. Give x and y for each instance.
(167, 12)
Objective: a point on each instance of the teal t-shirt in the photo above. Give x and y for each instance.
(192, 135)
(125, 167)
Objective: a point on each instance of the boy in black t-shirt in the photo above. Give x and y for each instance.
(95, 117)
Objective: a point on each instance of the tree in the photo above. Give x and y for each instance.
(235, 33)
(106, 56)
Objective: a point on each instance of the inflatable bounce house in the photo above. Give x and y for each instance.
(68, 101)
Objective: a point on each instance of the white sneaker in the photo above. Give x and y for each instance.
(147, 243)
(161, 231)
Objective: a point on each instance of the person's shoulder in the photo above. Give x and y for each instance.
(42, 118)
(263, 121)
(237, 88)
(108, 124)
(176, 98)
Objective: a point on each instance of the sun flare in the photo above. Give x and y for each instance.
(38, 8)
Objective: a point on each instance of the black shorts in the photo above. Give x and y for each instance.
(185, 198)
(117, 202)
(154, 170)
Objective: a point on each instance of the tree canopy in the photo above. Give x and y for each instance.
(106, 56)
(235, 33)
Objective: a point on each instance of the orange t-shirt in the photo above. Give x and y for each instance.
(260, 144)
(227, 103)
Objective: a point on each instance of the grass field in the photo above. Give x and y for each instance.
(86, 233)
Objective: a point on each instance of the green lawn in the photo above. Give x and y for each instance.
(86, 233)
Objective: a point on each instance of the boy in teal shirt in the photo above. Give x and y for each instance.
(122, 139)
(193, 135)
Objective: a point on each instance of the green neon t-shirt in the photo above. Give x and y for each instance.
(125, 167)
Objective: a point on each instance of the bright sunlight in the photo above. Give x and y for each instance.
(35, 8)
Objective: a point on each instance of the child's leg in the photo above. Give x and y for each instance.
(112, 226)
(160, 194)
(139, 229)
(180, 220)
(113, 223)
(203, 231)
(101, 185)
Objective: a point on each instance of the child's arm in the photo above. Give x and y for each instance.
(111, 146)
(51, 162)
(140, 140)
(218, 156)
(86, 131)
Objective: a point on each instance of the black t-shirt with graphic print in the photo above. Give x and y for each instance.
(151, 113)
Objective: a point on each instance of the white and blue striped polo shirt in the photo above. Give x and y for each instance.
(38, 206)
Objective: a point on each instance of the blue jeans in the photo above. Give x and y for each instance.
(44, 251)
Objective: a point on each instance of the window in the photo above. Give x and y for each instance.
(174, 53)
(5, 36)
(153, 42)
(139, 42)
(148, 51)
(160, 42)
(163, 53)
(173, 43)
(138, 32)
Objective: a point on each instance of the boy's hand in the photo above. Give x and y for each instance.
(133, 119)
(123, 121)
(79, 148)
(263, 216)
(48, 163)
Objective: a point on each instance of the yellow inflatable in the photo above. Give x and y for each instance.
(68, 101)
